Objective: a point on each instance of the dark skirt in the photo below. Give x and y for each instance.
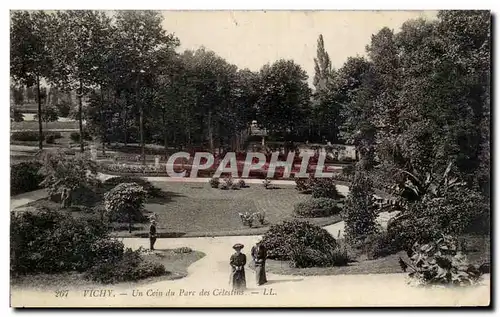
(260, 273)
(238, 280)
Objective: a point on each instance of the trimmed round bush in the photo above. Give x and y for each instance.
(282, 238)
(325, 188)
(25, 177)
(317, 207)
(152, 190)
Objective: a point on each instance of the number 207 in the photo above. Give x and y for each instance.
(63, 293)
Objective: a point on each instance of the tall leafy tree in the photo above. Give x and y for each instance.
(326, 100)
(284, 99)
(30, 55)
(357, 88)
(323, 71)
(81, 45)
(142, 42)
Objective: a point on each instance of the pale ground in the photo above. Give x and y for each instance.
(211, 273)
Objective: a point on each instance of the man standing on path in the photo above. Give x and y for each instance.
(152, 235)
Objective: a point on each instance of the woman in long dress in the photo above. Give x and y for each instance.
(237, 262)
(259, 255)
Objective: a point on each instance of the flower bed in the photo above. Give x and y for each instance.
(161, 170)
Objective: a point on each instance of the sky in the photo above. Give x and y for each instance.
(250, 39)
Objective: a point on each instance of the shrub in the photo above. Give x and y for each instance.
(130, 267)
(76, 174)
(75, 136)
(316, 207)
(235, 186)
(49, 114)
(455, 213)
(360, 211)
(183, 250)
(151, 190)
(33, 135)
(324, 187)
(379, 245)
(50, 139)
(46, 241)
(303, 185)
(124, 203)
(247, 218)
(440, 262)
(25, 136)
(261, 217)
(63, 109)
(303, 257)
(267, 183)
(281, 238)
(227, 183)
(214, 182)
(25, 177)
(242, 184)
(16, 115)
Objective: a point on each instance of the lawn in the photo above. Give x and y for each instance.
(176, 265)
(196, 209)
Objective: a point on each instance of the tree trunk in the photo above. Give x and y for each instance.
(80, 115)
(47, 99)
(103, 123)
(125, 120)
(210, 132)
(141, 127)
(165, 131)
(141, 120)
(40, 132)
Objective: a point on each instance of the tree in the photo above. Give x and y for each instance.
(323, 71)
(284, 98)
(125, 203)
(357, 88)
(360, 211)
(326, 100)
(81, 46)
(17, 95)
(16, 115)
(49, 114)
(74, 174)
(30, 56)
(142, 42)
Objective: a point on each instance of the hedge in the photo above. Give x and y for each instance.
(25, 177)
(317, 207)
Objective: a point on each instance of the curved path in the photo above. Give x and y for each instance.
(211, 273)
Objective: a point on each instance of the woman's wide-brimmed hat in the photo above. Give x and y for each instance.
(238, 246)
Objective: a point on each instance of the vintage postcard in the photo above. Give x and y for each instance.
(250, 158)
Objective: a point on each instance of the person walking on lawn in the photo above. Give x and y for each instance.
(152, 234)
